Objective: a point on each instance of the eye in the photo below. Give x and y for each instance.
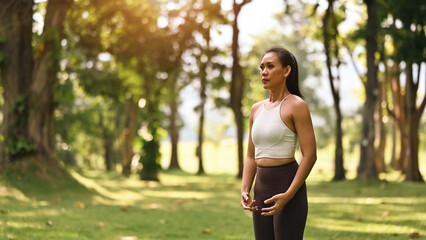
(261, 67)
(270, 66)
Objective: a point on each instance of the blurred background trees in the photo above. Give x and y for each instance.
(100, 84)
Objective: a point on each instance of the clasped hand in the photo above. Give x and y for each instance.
(279, 199)
(247, 203)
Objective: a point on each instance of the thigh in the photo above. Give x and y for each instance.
(263, 225)
(289, 223)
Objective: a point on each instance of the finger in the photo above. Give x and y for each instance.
(269, 200)
(268, 209)
(270, 213)
(252, 203)
(250, 208)
(245, 196)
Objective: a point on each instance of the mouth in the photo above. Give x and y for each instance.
(265, 80)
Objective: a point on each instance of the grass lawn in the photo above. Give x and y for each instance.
(187, 206)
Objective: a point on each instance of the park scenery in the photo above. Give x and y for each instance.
(129, 119)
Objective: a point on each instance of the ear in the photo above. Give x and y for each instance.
(287, 71)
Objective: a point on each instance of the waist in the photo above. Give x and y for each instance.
(276, 176)
(273, 162)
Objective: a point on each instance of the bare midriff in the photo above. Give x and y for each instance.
(271, 162)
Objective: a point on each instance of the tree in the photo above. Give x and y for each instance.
(409, 41)
(397, 112)
(35, 105)
(142, 60)
(367, 166)
(16, 66)
(331, 47)
(40, 127)
(237, 84)
(412, 44)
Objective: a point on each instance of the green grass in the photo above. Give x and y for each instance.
(187, 206)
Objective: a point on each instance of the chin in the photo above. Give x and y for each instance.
(265, 86)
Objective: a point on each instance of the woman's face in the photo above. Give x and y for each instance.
(271, 71)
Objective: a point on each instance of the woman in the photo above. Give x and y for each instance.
(280, 204)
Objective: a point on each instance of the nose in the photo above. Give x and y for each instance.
(263, 72)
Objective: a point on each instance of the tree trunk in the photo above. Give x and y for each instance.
(339, 171)
(380, 150)
(174, 129)
(107, 143)
(237, 86)
(43, 82)
(199, 151)
(393, 147)
(387, 83)
(367, 166)
(413, 120)
(151, 147)
(129, 134)
(16, 64)
(399, 107)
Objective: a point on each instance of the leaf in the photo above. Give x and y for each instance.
(180, 202)
(386, 213)
(49, 223)
(101, 224)
(414, 235)
(125, 208)
(207, 231)
(153, 206)
(40, 50)
(79, 205)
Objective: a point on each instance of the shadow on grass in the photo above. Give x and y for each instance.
(188, 206)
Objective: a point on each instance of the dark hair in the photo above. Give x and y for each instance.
(287, 58)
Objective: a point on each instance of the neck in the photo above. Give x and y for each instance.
(278, 94)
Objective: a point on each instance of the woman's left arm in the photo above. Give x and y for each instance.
(308, 146)
(305, 132)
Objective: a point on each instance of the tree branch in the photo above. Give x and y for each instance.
(358, 72)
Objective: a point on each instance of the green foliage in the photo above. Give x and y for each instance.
(20, 146)
(20, 104)
(410, 36)
(16, 143)
(150, 159)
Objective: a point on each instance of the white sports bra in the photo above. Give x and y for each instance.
(270, 136)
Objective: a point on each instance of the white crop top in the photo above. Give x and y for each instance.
(270, 136)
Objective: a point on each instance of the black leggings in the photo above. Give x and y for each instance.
(289, 223)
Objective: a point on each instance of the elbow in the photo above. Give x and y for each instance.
(312, 158)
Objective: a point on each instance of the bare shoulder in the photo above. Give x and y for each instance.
(299, 106)
(256, 107)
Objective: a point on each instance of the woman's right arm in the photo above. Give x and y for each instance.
(249, 170)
